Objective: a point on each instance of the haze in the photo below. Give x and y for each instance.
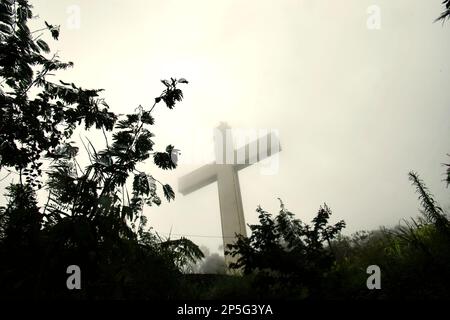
(356, 108)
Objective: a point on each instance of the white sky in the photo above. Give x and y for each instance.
(356, 108)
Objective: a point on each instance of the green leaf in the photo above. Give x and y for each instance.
(164, 160)
(156, 200)
(147, 118)
(141, 185)
(168, 192)
(43, 45)
(127, 212)
(5, 28)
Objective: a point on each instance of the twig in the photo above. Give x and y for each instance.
(37, 37)
(39, 30)
(106, 138)
(41, 75)
(9, 173)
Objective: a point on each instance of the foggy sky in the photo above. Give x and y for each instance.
(356, 109)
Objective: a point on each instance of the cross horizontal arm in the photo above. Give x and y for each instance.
(197, 179)
(256, 151)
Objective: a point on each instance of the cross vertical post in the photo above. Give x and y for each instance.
(225, 171)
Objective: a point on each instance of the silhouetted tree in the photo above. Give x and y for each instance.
(414, 256)
(36, 114)
(286, 249)
(89, 219)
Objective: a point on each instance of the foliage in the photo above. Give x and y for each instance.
(284, 258)
(286, 248)
(446, 13)
(101, 189)
(36, 114)
(413, 260)
(89, 218)
(183, 252)
(432, 212)
(447, 173)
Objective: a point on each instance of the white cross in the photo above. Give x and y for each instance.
(225, 171)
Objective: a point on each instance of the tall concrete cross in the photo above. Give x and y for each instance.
(225, 171)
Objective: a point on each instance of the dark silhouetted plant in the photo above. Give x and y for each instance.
(446, 13)
(89, 219)
(286, 248)
(36, 114)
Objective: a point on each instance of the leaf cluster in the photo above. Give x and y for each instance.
(287, 247)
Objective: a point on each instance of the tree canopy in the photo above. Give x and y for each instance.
(90, 218)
